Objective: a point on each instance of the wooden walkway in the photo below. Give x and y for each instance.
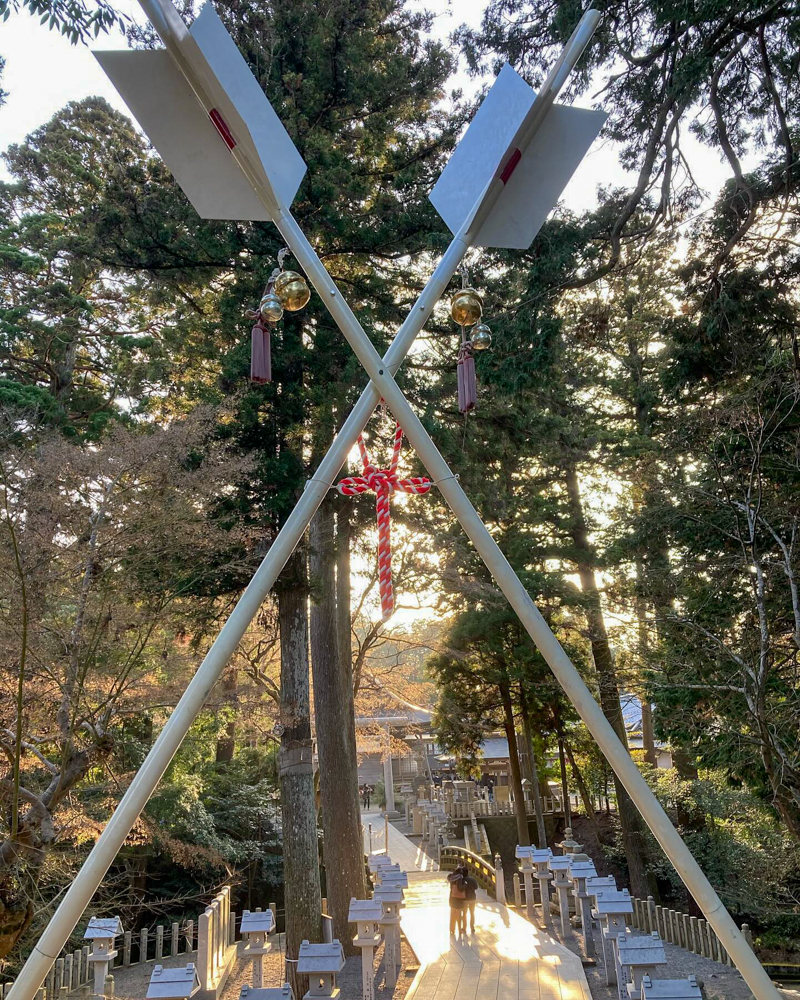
(506, 959)
(401, 850)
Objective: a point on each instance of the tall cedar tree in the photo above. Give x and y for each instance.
(726, 71)
(357, 88)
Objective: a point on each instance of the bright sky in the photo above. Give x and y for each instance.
(44, 72)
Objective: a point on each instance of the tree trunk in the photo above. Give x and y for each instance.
(333, 710)
(523, 837)
(583, 790)
(344, 626)
(300, 849)
(643, 883)
(648, 736)
(226, 743)
(541, 829)
(562, 764)
(684, 765)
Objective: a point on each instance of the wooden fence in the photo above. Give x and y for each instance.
(480, 807)
(72, 970)
(692, 933)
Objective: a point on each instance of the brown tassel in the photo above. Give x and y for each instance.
(260, 354)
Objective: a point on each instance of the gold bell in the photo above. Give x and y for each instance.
(481, 338)
(292, 290)
(271, 308)
(466, 307)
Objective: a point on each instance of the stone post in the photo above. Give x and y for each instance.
(388, 778)
(500, 882)
(701, 929)
(204, 949)
(540, 859)
(527, 878)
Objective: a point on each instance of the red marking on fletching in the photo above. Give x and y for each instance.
(222, 128)
(511, 166)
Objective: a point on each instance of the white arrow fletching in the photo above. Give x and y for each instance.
(165, 106)
(276, 153)
(542, 173)
(163, 99)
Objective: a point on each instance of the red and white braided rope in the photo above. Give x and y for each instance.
(383, 482)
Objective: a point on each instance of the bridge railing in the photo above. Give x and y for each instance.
(488, 876)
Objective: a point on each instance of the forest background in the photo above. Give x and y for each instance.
(634, 451)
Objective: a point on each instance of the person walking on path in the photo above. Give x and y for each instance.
(458, 900)
(366, 791)
(471, 886)
(464, 904)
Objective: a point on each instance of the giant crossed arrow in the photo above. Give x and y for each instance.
(500, 184)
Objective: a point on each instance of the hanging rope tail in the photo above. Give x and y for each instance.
(383, 482)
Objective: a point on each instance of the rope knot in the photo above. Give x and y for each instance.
(379, 479)
(383, 482)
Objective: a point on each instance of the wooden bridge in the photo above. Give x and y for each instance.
(505, 959)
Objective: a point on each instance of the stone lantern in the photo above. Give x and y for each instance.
(611, 908)
(366, 915)
(256, 926)
(541, 860)
(562, 883)
(524, 854)
(391, 899)
(641, 955)
(173, 984)
(102, 933)
(568, 845)
(579, 872)
(321, 963)
(394, 878)
(270, 993)
(670, 989)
